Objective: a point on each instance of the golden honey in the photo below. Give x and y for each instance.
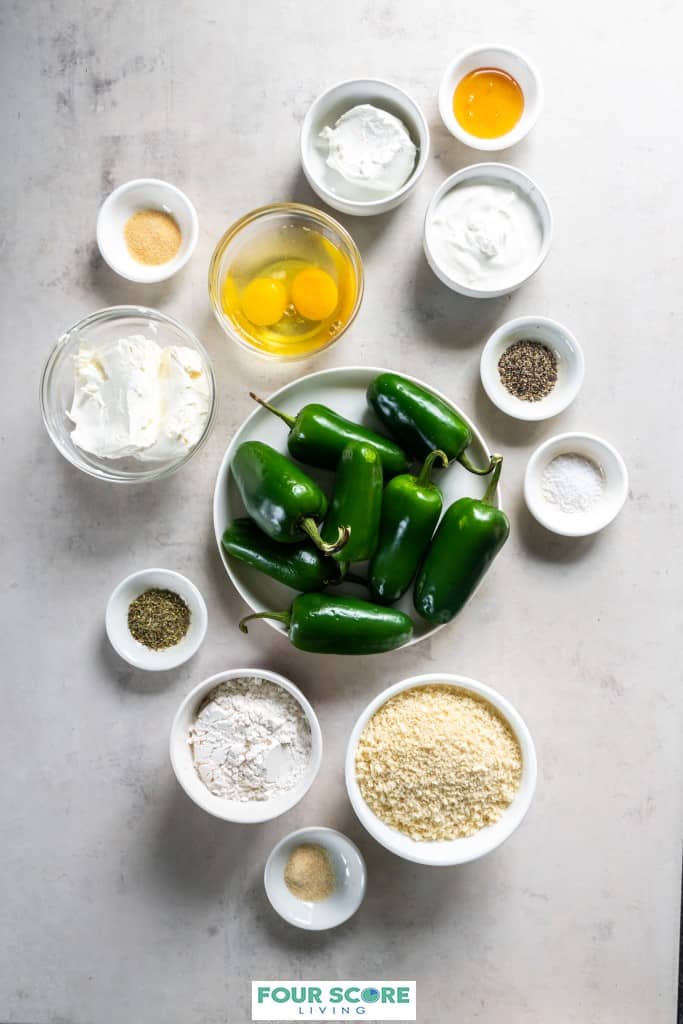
(488, 103)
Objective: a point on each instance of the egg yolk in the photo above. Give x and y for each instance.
(488, 103)
(264, 301)
(314, 294)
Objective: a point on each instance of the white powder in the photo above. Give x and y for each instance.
(250, 741)
(573, 482)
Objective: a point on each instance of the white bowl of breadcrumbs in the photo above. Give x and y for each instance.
(440, 769)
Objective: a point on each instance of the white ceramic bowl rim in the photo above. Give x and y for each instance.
(533, 103)
(456, 851)
(109, 313)
(548, 332)
(247, 812)
(423, 147)
(516, 177)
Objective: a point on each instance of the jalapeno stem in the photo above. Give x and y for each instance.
(496, 465)
(425, 475)
(283, 617)
(289, 420)
(465, 462)
(310, 528)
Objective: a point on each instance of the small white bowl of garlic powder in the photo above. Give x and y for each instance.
(246, 745)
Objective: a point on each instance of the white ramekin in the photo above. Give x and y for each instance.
(570, 367)
(488, 172)
(247, 812)
(492, 55)
(326, 110)
(599, 515)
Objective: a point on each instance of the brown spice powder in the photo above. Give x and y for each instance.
(309, 874)
(152, 236)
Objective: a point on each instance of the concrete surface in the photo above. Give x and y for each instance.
(122, 901)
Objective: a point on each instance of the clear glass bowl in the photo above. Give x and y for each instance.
(57, 388)
(255, 228)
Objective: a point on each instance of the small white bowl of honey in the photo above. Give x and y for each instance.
(490, 97)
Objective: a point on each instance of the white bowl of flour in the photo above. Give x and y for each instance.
(246, 745)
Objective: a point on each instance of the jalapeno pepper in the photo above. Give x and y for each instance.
(299, 566)
(420, 421)
(356, 502)
(281, 499)
(340, 625)
(467, 540)
(318, 435)
(411, 507)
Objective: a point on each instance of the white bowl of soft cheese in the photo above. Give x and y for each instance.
(246, 745)
(128, 394)
(487, 230)
(364, 146)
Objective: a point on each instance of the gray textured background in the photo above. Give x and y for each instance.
(121, 900)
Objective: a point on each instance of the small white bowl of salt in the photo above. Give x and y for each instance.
(575, 484)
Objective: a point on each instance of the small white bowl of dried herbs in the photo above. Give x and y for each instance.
(156, 619)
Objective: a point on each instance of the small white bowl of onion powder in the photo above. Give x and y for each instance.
(315, 878)
(440, 769)
(147, 229)
(156, 619)
(532, 368)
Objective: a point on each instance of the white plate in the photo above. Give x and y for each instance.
(342, 389)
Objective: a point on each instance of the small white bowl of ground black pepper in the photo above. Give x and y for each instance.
(532, 368)
(156, 619)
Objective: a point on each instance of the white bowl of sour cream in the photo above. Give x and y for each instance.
(487, 230)
(364, 146)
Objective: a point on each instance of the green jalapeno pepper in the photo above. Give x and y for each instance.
(299, 566)
(318, 435)
(411, 507)
(356, 502)
(420, 421)
(281, 499)
(340, 625)
(467, 540)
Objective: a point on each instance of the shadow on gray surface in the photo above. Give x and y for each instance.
(544, 545)
(451, 319)
(114, 290)
(194, 853)
(126, 677)
(501, 430)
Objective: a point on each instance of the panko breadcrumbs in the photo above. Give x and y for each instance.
(436, 762)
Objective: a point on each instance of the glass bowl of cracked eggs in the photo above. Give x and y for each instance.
(128, 395)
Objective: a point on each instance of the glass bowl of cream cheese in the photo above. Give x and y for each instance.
(487, 230)
(128, 395)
